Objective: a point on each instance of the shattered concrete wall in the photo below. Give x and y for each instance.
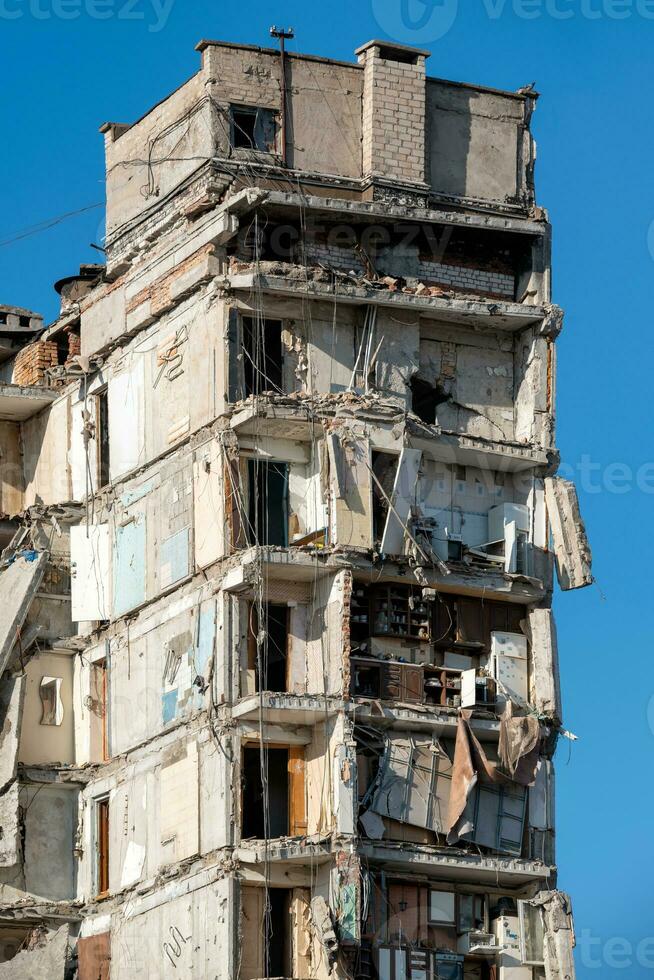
(48, 957)
(489, 152)
(571, 547)
(12, 694)
(50, 827)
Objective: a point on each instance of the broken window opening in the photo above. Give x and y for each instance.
(268, 503)
(52, 709)
(425, 399)
(262, 356)
(13, 939)
(62, 348)
(267, 933)
(532, 934)
(384, 467)
(99, 720)
(277, 940)
(270, 667)
(454, 665)
(102, 436)
(265, 815)
(102, 846)
(253, 128)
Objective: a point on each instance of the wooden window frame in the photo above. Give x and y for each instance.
(101, 401)
(102, 846)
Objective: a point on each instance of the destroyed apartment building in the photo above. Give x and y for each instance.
(280, 517)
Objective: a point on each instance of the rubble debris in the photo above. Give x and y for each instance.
(48, 958)
(571, 547)
(323, 924)
(19, 583)
(559, 934)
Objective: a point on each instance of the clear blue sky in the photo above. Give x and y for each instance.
(63, 77)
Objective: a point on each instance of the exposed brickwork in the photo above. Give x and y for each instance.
(245, 77)
(473, 280)
(159, 293)
(458, 277)
(32, 362)
(393, 117)
(333, 256)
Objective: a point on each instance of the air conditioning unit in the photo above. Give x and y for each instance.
(478, 943)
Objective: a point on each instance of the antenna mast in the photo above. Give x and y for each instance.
(283, 35)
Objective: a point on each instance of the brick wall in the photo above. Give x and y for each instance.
(32, 362)
(333, 256)
(243, 75)
(394, 95)
(464, 277)
(467, 278)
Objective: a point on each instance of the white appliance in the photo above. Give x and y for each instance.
(506, 930)
(509, 666)
(511, 524)
(478, 943)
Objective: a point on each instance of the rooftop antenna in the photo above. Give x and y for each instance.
(283, 35)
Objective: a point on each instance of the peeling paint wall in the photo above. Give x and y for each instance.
(50, 814)
(48, 744)
(178, 936)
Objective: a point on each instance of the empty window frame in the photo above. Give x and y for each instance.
(102, 846)
(442, 907)
(102, 436)
(498, 816)
(253, 128)
(532, 934)
(268, 504)
(281, 810)
(384, 467)
(52, 709)
(268, 952)
(262, 356)
(269, 662)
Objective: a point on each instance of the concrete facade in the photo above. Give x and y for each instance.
(281, 519)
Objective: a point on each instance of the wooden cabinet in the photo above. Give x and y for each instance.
(386, 680)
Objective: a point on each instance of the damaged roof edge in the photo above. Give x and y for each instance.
(205, 43)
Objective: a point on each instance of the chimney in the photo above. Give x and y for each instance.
(394, 95)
